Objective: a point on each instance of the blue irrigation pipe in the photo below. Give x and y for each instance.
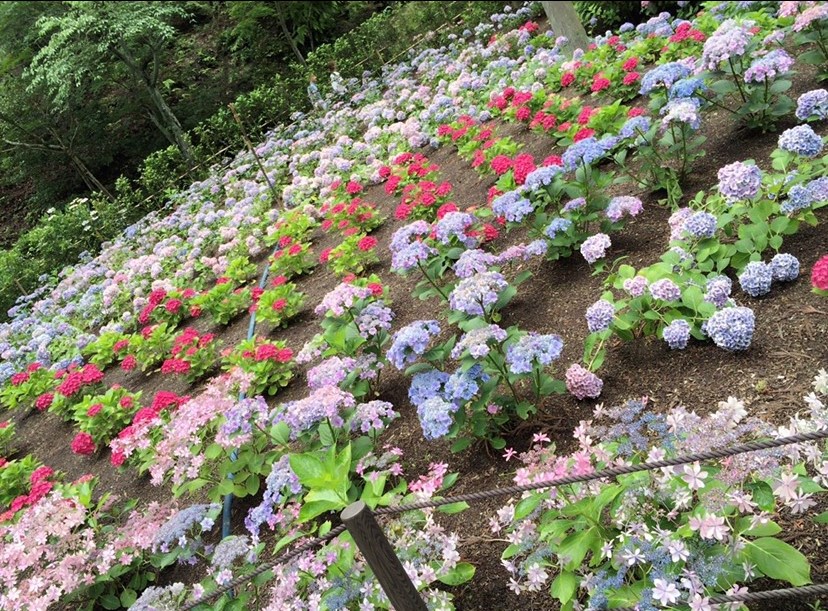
(251, 331)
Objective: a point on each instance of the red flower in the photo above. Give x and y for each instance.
(195, 311)
(129, 363)
(631, 63)
(164, 399)
(478, 159)
(553, 160)
(44, 401)
(90, 374)
(325, 255)
(392, 184)
(265, 352)
(147, 331)
(490, 232)
(445, 209)
(278, 281)
(564, 127)
(71, 384)
(583, 134)
(376, 289)
(83, 444)
(350, 231)
(295, 250)
(19, 378)
(501, 164)
(285, 240)
(327, 224)
(40, 474)
(173, 305)
(352, 188)
(222, 280)
(144, 314)
(279, 304)
(118, 458)
(402, 212)
(94, 410)
(367, 243)
(819, 274)
(256, 293)
(126, 402)
(523, 164)
(157, 296)
(120, 345)
(636, 112)
(586, 114)
(4, 424)
(567, 78)
(631, 77)
(523, 113)
(385, 171)
(175, 366)
(34, 367)
(349, 278)
(188, 293)
(600, 82)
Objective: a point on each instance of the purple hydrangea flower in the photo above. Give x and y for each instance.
(599, 315)
(636, 286)
(769, 66)
(681, 110)
(436, 417)
(573, 204)
(406, 250)
(677, 221)
(325, 403)
(281, 483)
(541, 177)
(586, 152)
(635, 126)
(558, 225)
(784, 267)
(412, 341)
(537, 248)
(738, 181)
(454, 225)
(812, 105)
(329, 372)
(701, 225)
(801, 140)
(530, 348)
(756, 279)
(621, 205)
(582, 383)
(373, 416)
(731, 328)
(473, 262)
(595, 247)
(729, 41)
(512, 206)
(373, 318)
(718, 291)
(474, 294)
(677, 334)
(426, 385)
(476, 341)
(344, 296)
(665, 290)
(663, 75)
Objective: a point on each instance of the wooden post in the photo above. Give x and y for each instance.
(253, 152)
(381, 557)
(564, 21)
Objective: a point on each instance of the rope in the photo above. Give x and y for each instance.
(281, 559)
(752, 446)
(799, 592)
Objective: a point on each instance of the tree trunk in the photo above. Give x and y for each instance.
(564, 21)
(290, 40)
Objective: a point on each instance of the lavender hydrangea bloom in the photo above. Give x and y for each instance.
(756, 279)
(173, 533)
(801, 140)
(341, 298)
(454, 225)
(731, 328)
(701, 225)
(373, 318)
(635, 126)
(682, 110)
(412, 341)
(677, 221)
(330, 372)
(426, 385)
(573, 204)
(436, 417)
(373, 416)
(473, 262)
(531, 348)
(799, 198)
(812, 105)
(406, 250)
(784, 267)
(280, 483)
(677, 334)
(729, 41)
(462, 386)
(769, 66)
(472, 295)
(687, 88)
(476, 341)
(582, 383)
(595, 247)
(818, 189)
(536, 248)
(512, 206)
(599, 315)
(558, 225)
(586, 152)
(636, 286)
(665, 290)
(718, 291)
(621, 205)
(541, 177)
(663, 75)
(325, 403)
(739, 181)
(228, 550)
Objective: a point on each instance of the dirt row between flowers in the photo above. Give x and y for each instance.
(790, 343)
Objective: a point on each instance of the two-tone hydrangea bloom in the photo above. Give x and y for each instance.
(512, 206)
(718, 291)
(677, 221)
(412, 341)
(373, 318)
(455, 225)
(665, 290)
(473, 262)
(701, 225)
(477, 341)
(595, 247)
(533, 348)
(343, 297)
(621, 205)
(541, 177)
(474, 294)
(582, 383)
(407, 247)
(681, 110)
(731, 328)
(573, 204)
(756, 279)
(636, 286)
(812, 105)
(784, 267)
(801, 140)
(739, 181)
(599, 315)
(769, 66)
(677, 334)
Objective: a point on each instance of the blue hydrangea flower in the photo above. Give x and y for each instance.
(541, 177)
(739, 181)
(436, 417)
(756, 279)
(557, 226)
(635, 126)
(426, 385)
(512, 206)
(531, 348)
(682, 110)
(801, 140)
(664, 75)
(454, 225)
(595, 247)
(687, 88)
(599, 315)
(718, 291)
(462, 386)
(731, 328)
(665, 289)
(769, 66)
(812, 105)
(472, 295)
(477, 340)
(677, 334)
(473, 262)
(573, 204)
(412, 341)
(586, 152)
(799, 198)
(701, 225)
(784, 267)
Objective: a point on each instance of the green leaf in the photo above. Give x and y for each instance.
(453, 507)
(110, 601)
(252, 485)
(822, 518)
(461, 444)
(564, 586)
(575, 547)
(762, 495)
(308, 468)
(527, 506)
(778, 560)
(128, 597)
(460, 574)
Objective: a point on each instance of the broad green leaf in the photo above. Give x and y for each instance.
(778, 560)
(453, 507)
(460, 574)
(564, 586)
(527, 506)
